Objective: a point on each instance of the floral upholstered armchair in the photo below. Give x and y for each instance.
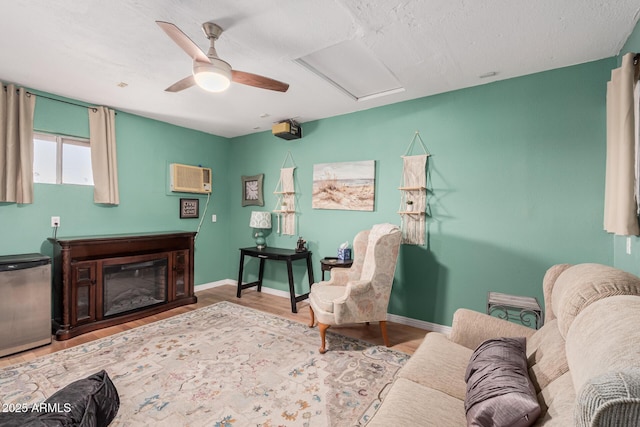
(360, 293)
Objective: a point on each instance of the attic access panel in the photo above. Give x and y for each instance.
(351, 67)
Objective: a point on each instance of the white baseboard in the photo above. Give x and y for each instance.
(210, 285)
(420, 324)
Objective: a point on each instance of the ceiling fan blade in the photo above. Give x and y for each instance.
(258, 81)
(183, 41)
(183, 84)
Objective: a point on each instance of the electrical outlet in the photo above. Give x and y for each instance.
(214, 218)
(55, 221)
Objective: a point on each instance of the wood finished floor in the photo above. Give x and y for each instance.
(403, 338)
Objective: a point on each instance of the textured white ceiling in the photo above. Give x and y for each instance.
(82, 49)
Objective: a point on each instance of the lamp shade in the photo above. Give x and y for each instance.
(260, 220)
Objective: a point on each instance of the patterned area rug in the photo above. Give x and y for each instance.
(223, 365)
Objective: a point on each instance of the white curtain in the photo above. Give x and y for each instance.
(620, 211)
(16, 144)
(102, 136)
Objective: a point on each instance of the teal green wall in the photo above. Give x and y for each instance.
(622, 259)
(517, 175)
(145, 148)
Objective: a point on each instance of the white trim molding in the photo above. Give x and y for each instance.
(203, 286)
(420, 324)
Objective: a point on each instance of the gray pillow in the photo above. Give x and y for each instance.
(89, 402)
(499, 391)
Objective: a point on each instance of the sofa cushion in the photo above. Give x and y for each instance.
(471, 328)
(557, 401)
(612, 399)
(324, 295)
(411, 404)
(583, 284)
(546, 356)
(499, 392)
(440, 364)
(548, 282)
(604, 338)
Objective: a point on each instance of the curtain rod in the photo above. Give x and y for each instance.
(94, 109)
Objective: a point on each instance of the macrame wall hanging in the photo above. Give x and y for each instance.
(285, 192)
(413, 194)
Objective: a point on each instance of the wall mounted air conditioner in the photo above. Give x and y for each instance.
(190, 179)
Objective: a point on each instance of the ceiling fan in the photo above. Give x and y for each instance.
(209, 71)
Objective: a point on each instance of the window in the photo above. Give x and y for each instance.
(61, 160)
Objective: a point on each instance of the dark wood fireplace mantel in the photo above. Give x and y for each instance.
(80, 280)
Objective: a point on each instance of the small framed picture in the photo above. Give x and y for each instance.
(189, 208)
(252, 190)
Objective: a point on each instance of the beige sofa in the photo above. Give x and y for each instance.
(584, 362)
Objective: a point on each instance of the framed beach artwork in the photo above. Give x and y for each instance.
(345, 185)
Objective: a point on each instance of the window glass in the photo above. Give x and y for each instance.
(44, 160)
(76, 164)
(61, 160)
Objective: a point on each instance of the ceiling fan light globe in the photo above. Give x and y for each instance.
(212, 81)
(213, 77)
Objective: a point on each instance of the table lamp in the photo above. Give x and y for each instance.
(260, 221)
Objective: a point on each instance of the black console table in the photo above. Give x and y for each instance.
(278, 254)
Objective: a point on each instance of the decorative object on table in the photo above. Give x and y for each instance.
(189, 208)
(252, 190)
(413, 194)
(285, 208)
(260, 221)
(344, 253)
(301, 245)
(346, 185)
(361, 293)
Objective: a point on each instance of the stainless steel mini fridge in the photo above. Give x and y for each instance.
(25, 302)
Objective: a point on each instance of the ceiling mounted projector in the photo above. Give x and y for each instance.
(287, 129)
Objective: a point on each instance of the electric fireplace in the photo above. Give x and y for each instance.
(135, 285)
(101, 281)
